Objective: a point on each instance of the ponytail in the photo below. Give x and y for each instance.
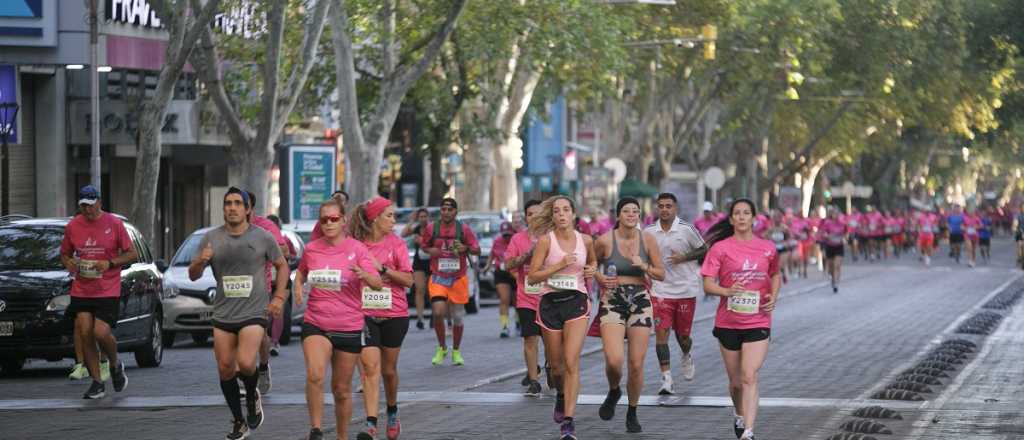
(359, 226)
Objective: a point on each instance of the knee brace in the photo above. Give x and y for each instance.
(663, 354)
(458, 311)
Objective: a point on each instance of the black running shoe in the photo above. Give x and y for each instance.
(558, 415)
(119, 379)
(96, 391)
(239, 431)
(315, 434)
(526, 381)
(738, 426)
(254, 407)
(419, 324)
(607, 410)
(534, 389)
(633, 423)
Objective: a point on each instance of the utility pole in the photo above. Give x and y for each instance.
(94, 95)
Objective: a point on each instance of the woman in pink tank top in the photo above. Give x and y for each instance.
(563, 261)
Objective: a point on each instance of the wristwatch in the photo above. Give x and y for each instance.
(383, 270)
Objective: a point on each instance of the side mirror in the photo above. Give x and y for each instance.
(161, 265)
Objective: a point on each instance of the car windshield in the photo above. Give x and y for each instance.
(30, 247)
(187, 251)
(483, 227)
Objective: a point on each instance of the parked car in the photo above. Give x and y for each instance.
(35, 293)
(486, 226)
(188, 305)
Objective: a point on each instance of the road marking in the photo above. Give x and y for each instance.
(434, 397)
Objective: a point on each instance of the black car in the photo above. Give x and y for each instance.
(34, 293)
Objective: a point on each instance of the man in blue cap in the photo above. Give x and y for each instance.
(95, 247)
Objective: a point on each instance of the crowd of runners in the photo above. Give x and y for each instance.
(642, 275)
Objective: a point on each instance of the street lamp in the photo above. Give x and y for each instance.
(8, 118)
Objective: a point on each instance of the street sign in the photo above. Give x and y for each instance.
(847, 190)
(858, 191)
(618, 168)
(311, 180)
(714, 178)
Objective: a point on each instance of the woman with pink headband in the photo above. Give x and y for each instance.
(386, 309)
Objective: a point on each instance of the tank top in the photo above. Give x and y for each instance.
(571, 277)
(623, 266)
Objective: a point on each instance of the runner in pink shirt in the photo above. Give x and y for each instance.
(517, 259)
(503, 279)
(707, 219)
(270, 346)
(341, 198)
(95, 246)
(761, 225)
(927, 228)
(336, 269)
(853, 221)
(744, 271)
(831, 233)
(386, 310)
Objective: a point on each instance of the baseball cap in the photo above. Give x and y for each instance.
(507, 229)
(708, 206)
(88, 195)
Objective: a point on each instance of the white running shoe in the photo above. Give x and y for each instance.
(688, 368)
(666, 384)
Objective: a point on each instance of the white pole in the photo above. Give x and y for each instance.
(94, 96)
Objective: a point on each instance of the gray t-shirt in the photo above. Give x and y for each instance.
(239, 265)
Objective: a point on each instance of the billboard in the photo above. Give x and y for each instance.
(311, 179)
(9, 95)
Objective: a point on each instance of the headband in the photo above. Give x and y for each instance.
(376, 207)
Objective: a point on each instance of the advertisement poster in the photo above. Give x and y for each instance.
(312, 180)
(9, 95)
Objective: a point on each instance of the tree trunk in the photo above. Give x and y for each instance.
(438, 186)
(807, 187)
(249, 169)
(478, 167)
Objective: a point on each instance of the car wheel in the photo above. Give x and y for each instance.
(151, 354)
(11, 366)
(286, 323)
(167, 338)
(200, 338)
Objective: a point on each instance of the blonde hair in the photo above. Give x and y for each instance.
(544, 222)
(334, 203)
(359, 226)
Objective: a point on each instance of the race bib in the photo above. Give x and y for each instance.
(563, 282)
(376, 299)
(326, 279)
(972, 231)
(926, 229)
(448, 265)
(239, 286)
(87, 269)
(745, 303)
(854, 224)
(533, 289)
(835, 238)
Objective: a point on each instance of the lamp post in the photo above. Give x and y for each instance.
(8, 117)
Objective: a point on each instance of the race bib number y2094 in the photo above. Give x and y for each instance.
(376, 299)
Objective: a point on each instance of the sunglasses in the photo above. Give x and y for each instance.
(330, 219)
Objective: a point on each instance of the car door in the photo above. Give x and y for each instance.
(133, 286)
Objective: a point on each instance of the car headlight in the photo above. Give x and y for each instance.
(170, 290)
(58, 303)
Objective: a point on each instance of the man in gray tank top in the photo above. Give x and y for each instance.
(238, 254)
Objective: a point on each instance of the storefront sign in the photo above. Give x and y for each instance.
(242, 19)
(136, 12)
(310, 178)
(120, 123)
(9, 95)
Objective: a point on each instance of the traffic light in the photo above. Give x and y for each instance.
(709, 33)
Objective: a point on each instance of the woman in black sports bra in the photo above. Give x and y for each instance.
(626, 307)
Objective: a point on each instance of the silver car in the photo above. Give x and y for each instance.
(188, 305)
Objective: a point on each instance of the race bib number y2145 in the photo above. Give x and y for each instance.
(563, 282)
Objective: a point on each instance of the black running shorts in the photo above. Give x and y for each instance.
(386, 332)
(558, 308)
(528, 322)
(503, 277)
(104, 309)
(348, 342)
(834, 251)
(235, 327)
(733, 339)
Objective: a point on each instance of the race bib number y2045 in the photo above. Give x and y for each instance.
(745, 303)
(326, 279)
(239, 286)
(376, 299)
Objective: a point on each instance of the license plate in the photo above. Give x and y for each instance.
(6, 328)
(206, 316)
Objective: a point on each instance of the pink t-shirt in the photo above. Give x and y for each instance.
(761, 224)
(928, 224)
(753, 262)
(392, 254)
(335, 297)
(875, 224)
(498, 250)
(831, 232)
(972, 224)
(703, 223)
(269, 226)
(443, 240)
(521, 244)
(92, 241)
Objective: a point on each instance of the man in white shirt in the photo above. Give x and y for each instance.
(675, 302)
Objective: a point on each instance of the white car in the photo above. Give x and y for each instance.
(188, 305)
